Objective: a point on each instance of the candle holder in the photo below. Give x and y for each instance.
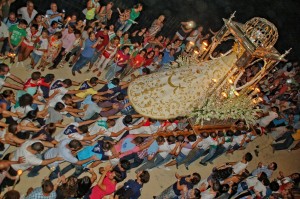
(19, 173)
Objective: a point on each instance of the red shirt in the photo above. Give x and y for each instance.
(98, 193)
(121, 58)
(137, 61)
(105, 41)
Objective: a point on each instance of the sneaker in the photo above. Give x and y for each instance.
(186, 167)
(204, 164)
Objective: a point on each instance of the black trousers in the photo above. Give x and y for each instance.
(58, 58)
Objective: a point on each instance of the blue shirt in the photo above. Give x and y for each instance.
(8, 23)
(50, 12)
(135, 188)
(88, 51)
(167, 58)
(37, 193)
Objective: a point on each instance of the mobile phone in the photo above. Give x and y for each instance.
(63, 10)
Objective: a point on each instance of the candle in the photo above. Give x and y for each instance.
(224, 94)
(19, 173)
(236, 93)
(205, 43)
(230, 81)
(256, 90)
(214, 80)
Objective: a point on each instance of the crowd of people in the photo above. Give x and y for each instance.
(105, 129)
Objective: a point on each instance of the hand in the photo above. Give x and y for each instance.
(95, 158)
(127, 128)
(58, 158)
(109, 91)
(21, 160)
(101, 132)
(42, 137)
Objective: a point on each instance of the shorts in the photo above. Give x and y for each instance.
(36, 58)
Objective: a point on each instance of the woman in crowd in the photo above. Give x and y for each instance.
(86, 54)
(54, 47)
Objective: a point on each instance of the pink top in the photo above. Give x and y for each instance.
(67, 40)
(126, 147)
(98, 193)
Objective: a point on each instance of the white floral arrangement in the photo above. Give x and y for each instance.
(232, 108)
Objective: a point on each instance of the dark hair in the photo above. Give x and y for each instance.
(274, 166)
(224, 188)
(180, 138)
(59, 106)
(213, 134)
(274, 186)
(137, 5)
(248, 157)
(84, 128)
(216, 185)
(77, 32)
(197, 193)
(12, 128)
(53, 23)
(94, 80)
(67, 82)
(204, 135)
(237, 133)
(171, 139)
(229, 133)
(37, 146)
(144, 176)
(262, 176)
(23, 21)
(6, 93)
(25, 100)
(66, 96)
(35, 26)
(195, 178)
(192, 138)
(84, 184)
(220, 134)
(115, 81)
(146, 71)
(107, 146)
(50, 128)
(120, 97)
(58, 34)
(138, 140)
(75, 144)
(160, 139)
(2, 67)
(31, 115)
(47, 186)
(275, 107)
(125, 164)
(266, 182)
(127, 119)
(118, 176)
(49, 78)
(221, 174)
(12, 194)
(124, 47)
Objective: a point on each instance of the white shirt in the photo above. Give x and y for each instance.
(118, 126)
(23, 11)
(61, 151)
(30, 38)
(20, 109)
(69, 132)
(30, 159)
(239, 167)
(164, 149)
(265, 121)
(3, 30)
(43, 45)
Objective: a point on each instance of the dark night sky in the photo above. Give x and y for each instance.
(209, 13)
